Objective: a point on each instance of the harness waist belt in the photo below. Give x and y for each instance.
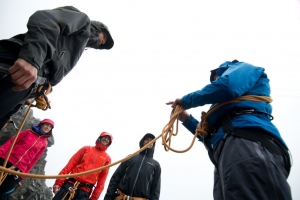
(88, 185)
(123, 196)
(263, 137)
(230, 115)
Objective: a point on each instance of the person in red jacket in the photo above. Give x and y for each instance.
(28, 148)
(87, 158)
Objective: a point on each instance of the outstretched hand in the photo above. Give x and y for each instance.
(23, 74)
(174, 103)
(182, 116)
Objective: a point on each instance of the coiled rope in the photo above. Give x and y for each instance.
(203, 126)
(167, 133)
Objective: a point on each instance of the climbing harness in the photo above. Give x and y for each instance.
(123, 196)
(203, 128)
(72, 191)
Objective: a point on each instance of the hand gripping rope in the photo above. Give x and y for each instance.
(203, 127)
(167, 133)
(41, 103)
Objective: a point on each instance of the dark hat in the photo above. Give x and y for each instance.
(103, 28)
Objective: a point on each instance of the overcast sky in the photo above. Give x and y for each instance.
(163, 50)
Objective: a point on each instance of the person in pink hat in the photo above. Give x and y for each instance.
(28, 148)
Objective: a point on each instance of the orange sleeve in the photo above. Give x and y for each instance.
(73, 162)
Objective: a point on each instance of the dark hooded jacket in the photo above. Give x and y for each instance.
(54, 42)
(138, 176)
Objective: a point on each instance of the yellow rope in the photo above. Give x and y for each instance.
(11, 147)
(42, 100)
(41, 176)
(167, 133)
(203, 126)
(41, 103)
(4, 175)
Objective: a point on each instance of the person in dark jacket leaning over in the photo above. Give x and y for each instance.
(137, 178)
(46, 53)
(251, 158)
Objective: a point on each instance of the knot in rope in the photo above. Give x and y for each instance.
(72, 191)
(41, 99)
(203, 127)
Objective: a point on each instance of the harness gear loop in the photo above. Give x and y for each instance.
(2, 178)
(123, 196)
(41, 98)
(203, 127)
(72, 191)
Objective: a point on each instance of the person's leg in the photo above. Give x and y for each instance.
(249, 171)
(62, 192)
(10, 100)
(218, 194)
(81, 195)
(8, 186)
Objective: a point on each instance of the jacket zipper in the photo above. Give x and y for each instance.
(27, 151)
(138, 173)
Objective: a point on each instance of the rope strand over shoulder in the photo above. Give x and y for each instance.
(203, 127)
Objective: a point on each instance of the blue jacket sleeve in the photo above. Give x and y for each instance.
(236, 80)
(191, 124)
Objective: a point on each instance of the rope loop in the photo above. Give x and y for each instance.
(41, 99)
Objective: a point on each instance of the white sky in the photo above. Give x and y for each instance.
(164, 49)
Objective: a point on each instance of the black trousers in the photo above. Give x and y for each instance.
(249, 171)
(9, 184)
(79, 194)
(10, 100)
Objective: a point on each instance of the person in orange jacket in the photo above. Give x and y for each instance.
(28, 148)
(87, 158)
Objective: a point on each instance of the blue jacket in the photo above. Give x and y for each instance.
(234, 79)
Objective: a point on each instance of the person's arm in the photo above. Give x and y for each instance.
(155, 187)
(100, 183)
(6, 146)
(114, 181)
(237, 80)
(73, 162)
(45, 27)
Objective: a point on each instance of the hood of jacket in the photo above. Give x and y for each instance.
(99, 26)
(148, 151)
(36, 129)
